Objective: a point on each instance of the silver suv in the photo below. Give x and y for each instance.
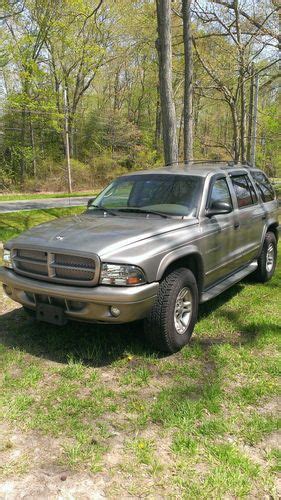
(153, 245)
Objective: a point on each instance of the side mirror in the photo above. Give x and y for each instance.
(218, 207)
(90, 201)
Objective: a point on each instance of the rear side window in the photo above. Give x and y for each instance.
(244, 191)
(264, 186)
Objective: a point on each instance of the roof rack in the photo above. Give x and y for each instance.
(230, 163)
(186, 162)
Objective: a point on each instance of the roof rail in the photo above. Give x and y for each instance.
(187, 162)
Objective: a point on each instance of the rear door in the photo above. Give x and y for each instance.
(251, 216)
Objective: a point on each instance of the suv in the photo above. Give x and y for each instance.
(153, 245)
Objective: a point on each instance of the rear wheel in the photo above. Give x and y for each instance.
(267, 259)
(173, 316)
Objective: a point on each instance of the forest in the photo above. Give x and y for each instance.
(81, 87)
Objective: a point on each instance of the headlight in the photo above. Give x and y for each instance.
(7, 258)
(121, 275)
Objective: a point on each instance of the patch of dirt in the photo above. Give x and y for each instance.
(273, 406)
(271, 441)
(53, 484)
(8, 304)
(44, 477)
(258, 454)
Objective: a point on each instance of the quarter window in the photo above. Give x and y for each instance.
(264, 186)
(220, 192)
(244, 191)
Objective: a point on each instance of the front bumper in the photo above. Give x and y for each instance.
(79, 303)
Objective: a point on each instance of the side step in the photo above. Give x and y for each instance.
(228, 282)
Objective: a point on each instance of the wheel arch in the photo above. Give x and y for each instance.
(181, 258)
(273, 228)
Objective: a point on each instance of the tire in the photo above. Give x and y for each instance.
(267, 259)
(163, 327)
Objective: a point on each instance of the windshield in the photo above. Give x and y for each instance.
(152, 193)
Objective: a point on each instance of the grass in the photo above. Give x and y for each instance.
(14, 223)
(202, 423)
(41, 196)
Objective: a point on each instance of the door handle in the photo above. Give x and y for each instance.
(263, 216)
(236, 225)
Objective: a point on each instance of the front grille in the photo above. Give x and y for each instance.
(31, 267)
(33, 255)
(57, 267)
(74, 274)
(31, 261)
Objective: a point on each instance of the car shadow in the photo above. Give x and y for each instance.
(100, 345)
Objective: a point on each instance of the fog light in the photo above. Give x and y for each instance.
(114, 311)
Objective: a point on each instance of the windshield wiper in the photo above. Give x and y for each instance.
(142, 211)
(106, 210)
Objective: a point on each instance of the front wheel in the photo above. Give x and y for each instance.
(173, 316)
(267, 259)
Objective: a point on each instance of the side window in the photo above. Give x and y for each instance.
(243, 190)
(220, 192)
(253, 192)
(264, 186)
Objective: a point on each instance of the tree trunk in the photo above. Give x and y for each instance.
(250, 120)
(255, 120)
(22, 159)
(67, 146)
(196, 110)
(235, 132)
(32, 140)
(241, 50)
(116, 91)
(180, 132)
(158, 122)
(243, 110)
(188, 82)
(164, 48)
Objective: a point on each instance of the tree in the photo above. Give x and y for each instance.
(247, 35)
(188, 81)
(164, 48)
(76, 47)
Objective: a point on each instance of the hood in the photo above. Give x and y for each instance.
(96, 234)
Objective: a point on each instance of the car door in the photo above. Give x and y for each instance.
(251, 217)
(220, 244)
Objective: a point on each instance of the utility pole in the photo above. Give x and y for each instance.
(66, 133)
(255, 120)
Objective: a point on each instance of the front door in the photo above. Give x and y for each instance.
(220, 244)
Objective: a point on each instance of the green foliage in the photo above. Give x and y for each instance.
(106, 62)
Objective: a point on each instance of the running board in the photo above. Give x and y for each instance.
(215, 290)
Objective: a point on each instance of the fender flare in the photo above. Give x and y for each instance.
(270, 222)
(179, 253)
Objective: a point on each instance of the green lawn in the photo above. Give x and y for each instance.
(14, 223)
(95, 400)
(39, 196)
